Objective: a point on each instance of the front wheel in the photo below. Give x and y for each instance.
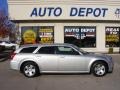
(99, 69)
(30, 69)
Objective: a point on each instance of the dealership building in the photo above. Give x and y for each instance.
(93, 25)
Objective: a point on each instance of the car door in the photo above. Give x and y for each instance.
(70, 60)
(47, 59)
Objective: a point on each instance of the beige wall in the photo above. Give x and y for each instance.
(99, 12)
(22, 9)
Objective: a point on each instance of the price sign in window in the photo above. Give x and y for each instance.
(112, 36)
(46, 34)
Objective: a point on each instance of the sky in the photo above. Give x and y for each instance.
(4, 7)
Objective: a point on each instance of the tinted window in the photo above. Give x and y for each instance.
(46, 50)
(37, 34)
(81, 36)
(66, 50)
(28, 50)
(112, 36)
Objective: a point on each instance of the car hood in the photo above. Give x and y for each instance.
(99, 55)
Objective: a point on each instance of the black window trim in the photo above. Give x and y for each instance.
(35, 47)
(55, 53)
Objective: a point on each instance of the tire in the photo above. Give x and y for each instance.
(30, 69)
(99, 69)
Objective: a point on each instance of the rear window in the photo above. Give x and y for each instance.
(28, 50)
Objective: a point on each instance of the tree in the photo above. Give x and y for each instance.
(6, 26)
(4, 32)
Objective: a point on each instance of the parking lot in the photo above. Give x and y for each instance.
(13, 80)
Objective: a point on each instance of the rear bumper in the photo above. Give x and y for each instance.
(14, 65)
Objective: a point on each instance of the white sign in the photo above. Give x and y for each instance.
(64, 12)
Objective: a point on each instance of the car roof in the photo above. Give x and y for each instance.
(41, 45)
(54, 44)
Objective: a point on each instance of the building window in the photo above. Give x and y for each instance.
(29, 35)
(112, 36)
(81, 36)
(37, 34)
(46, 34)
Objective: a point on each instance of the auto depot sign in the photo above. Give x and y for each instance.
(73, 12)
(63, 12)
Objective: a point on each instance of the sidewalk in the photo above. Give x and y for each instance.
(116, 53)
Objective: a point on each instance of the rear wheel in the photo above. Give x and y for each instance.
(30, 69)
(99, 69)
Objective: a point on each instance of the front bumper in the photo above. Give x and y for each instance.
(111, 65)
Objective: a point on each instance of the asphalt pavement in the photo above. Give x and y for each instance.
(5, 55)
(14, 80)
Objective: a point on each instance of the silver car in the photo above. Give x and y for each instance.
(32, 60)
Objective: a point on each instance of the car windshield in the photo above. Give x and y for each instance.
(84, 52)
(7, 42)
(81, 50)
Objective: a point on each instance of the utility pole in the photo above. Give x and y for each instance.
(119, 39)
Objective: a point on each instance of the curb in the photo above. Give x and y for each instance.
(112, 53)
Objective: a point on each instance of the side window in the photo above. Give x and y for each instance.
(66, 51)
(47, 50)
(28, 50)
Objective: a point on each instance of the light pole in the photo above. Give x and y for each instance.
(119, 39)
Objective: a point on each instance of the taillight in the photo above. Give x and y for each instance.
(12, 55)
